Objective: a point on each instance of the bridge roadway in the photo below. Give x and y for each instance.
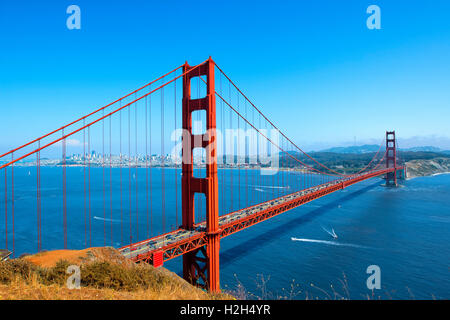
(181, 241)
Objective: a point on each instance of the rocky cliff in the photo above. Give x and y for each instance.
(420, 168)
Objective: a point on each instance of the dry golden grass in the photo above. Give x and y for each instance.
(51, 258)
(105, 275)
(20, 290)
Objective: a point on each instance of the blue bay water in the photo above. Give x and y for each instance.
(402, 230)
(405, 231)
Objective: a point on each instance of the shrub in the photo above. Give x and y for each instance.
(16, 268)
(99, 274)
(107, 275)
(54, 275)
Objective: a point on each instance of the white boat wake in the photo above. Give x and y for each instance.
(271, 187)
(109, 220)
(332, 243)
(331, 233)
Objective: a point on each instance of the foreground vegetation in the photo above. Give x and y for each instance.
(105, 274)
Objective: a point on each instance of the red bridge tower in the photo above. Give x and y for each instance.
(391, 158)
(201, 266)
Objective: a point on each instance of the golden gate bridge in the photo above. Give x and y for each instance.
(229, 167)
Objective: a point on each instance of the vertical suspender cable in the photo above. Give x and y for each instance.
(110, 179)
(246, 147)
(150, 152)
(176, 156)
(129, 172)
(163, 195)
(103, 179)
(232, 151)
(255, 136)
(136, 169)
(38, 196)
(223, 147)
(120, 175)
(84, 183)
(146, 164)
(12, 206)
(6, 208)
(237, 157)
(64, 191)
(260, 160)
(89, 185)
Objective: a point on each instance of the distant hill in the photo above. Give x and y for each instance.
(422, 149)
(344, 161)
(367, 148)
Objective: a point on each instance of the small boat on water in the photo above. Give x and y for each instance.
(333, 234)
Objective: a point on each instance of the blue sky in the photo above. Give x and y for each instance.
(312, 66)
